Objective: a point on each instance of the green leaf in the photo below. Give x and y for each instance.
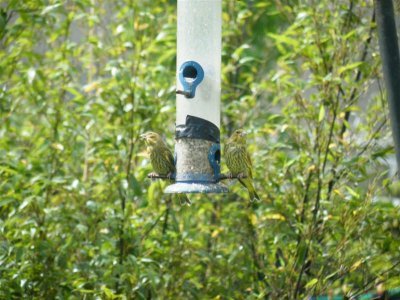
(6, 201)
(311, 283)
(352, 192)
(108, 292)
(349, 67)
(283, 39)
(321, 114)
(50, 8)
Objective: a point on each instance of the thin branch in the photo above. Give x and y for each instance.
(303, 268)
(373, 135)
(358, 75)
(257, 261)
(321, 170)
(213, 223)
(373, 280)
(304, 203)
(54, 160)
(130, 145)
(336, 176)
(145, 235)
(167, 211)
(315, 212)
(335, 111)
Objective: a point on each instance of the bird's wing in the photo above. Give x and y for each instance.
(249, 165)
(169, 158)
(227, 148)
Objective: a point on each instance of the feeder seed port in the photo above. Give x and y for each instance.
(191, 74)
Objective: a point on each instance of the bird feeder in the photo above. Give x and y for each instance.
(389, 50)
(197, 148)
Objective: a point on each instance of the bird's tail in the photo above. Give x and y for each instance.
(254, 196)
(246, 182)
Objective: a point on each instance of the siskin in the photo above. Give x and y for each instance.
(239, 162)
(161, 158)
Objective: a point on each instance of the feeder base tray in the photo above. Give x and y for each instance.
(195, 187)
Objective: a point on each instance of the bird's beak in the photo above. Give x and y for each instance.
(243, 134)
(143, 136)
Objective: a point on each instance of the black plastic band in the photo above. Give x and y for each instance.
(198, 128)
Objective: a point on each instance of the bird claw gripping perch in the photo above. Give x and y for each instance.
(153, 175)
(231, 176)
(240, 176)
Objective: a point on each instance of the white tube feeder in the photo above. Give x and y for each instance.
(197, 148)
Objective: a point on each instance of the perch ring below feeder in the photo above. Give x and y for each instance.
(172, 177)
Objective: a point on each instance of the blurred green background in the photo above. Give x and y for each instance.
(80, 80)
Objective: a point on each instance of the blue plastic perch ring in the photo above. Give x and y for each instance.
(191, 74)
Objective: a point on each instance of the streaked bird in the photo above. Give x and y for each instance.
(161, 157)
(239, 162)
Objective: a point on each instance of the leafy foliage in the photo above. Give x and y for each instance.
(81, 80)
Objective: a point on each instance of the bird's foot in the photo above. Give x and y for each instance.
(240, 176)
(229, 175)
(184, 200)
(170, 175)
(153, 175)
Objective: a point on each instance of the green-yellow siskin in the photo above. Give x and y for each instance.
(161, 157)
(239, 162)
